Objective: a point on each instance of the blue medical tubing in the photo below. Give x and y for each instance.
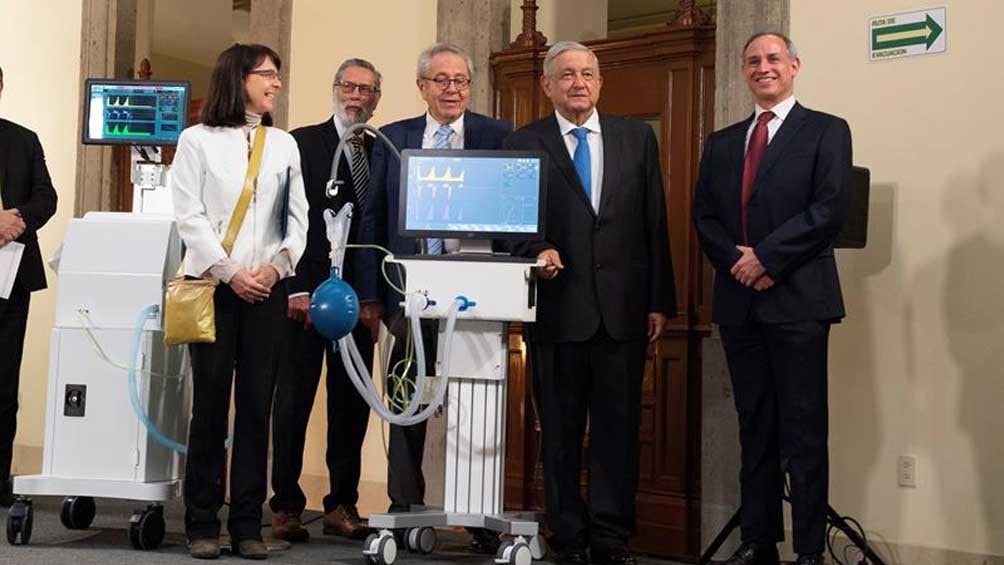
(137, 342)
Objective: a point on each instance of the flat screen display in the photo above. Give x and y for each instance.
(128, 112)
(473, 194)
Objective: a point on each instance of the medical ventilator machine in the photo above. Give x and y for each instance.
(475, 196)
(118, 399)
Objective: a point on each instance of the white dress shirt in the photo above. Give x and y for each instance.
(595, 140)
(780, 110)
(431, 125)
(206, 180)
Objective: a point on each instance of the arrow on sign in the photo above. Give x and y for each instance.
(918, 33)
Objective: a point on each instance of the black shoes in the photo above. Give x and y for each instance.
(613, 556)
(571, 557)
(755, 554)
(484, 541)
(811, 559)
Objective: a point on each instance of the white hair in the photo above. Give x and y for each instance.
(561, 47)
(425, 58)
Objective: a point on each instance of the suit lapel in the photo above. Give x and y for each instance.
(777, 146)
(611, 161)
(472, 133)
(413, 138)
(555, 145)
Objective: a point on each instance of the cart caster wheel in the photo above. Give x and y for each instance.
(538, 547)
(146, 528)
(78, 512)
(514, 552)
(19, 521)
(422, 540)
(380, 549)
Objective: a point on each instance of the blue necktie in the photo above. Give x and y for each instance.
(582, 162)
(434, 245)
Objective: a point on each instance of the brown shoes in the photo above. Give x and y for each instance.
(288, 527)
(205, 548)
(344, 521)
(252, 549)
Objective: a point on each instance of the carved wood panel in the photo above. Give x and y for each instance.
(667, 80)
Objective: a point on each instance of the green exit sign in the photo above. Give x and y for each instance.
(906, 34)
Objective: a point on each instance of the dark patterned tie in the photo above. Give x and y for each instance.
(754, 154)
(360, 169)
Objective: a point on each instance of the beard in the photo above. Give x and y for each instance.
(360, 117)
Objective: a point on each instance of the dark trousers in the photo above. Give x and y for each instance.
(246, 341)
(600, 379)
(348, 416)
(13, 321)
(779, 378)
(405, 481)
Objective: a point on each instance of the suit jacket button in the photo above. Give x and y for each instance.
(597, 266)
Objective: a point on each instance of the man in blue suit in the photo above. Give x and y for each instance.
(444, 80)
(771, 197)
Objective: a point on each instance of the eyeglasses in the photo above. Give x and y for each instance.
(349, 87)
(443, 83)
(270, 74)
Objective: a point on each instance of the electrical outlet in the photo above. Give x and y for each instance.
(906, 471)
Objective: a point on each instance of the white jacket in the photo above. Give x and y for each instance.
(206, 181)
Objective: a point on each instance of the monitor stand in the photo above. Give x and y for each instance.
(475, 246)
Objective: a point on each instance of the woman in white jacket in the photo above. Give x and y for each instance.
(206, 181)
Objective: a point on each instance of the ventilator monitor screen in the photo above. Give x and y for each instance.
(472, 194)
(132, 112)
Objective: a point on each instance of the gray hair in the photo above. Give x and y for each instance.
(788, 43)
(356, 62)
(561, 47)
(425, 58)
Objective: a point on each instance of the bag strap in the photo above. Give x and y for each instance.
(250, 183)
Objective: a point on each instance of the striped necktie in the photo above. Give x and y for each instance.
(434, 245)
(360, 169)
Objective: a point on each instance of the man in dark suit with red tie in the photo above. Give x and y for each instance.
(772, 195)
(355, 92)
(27, 201)
(607, 292)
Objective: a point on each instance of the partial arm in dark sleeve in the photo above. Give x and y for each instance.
(804, 235)
(296, 284)
(373, 228)
(662, 286)
(716, 242)
(41, 204)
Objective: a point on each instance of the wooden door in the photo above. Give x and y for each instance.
(665, 79)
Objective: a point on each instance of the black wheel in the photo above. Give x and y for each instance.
(78, 512)
(422, 540)
(146, 528)
(20, 517)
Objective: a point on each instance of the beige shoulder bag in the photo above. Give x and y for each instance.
(189, 314)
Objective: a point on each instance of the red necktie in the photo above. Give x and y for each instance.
(754, 154)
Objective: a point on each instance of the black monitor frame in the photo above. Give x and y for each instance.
(406, 156)
(86, 114)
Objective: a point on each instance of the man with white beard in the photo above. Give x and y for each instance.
(356, 92)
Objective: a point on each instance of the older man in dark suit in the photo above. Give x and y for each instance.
(771, 197)
(607, 293)
(27, 201)
(356, 92)
(443, 80)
